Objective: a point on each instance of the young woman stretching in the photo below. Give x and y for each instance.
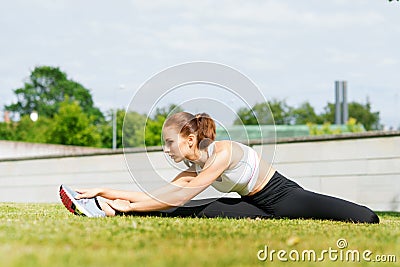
(228, 166)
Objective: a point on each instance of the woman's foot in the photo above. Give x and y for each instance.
(89, 207)
(107, 209)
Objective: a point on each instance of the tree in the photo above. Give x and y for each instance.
(364, 115)
(246, 117)
(7, 131)
(281, 111)
(328, 115)
(71, 126)
(46, 88)
(154, 131)
(133, 129)
(28, 131)
(304, 114)
(261, 113)
(361, 112)
(106, 129)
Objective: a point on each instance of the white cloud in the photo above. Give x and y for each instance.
(342, 57)
(390, 62)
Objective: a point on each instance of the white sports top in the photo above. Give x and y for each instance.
(242, 177)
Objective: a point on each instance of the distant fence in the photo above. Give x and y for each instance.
(364, 168)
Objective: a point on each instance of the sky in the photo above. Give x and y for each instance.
(292, 50)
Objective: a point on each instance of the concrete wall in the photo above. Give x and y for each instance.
(363, 168)
(365, 171)
(18, 150)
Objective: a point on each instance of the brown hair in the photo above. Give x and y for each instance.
(202, 125)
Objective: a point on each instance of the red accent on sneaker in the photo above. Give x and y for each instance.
(67, 202)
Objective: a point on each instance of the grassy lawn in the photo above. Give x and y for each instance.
(47, 235)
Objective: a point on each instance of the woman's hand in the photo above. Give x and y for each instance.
(87, 193)
(120, 205)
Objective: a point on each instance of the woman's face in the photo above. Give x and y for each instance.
(175, 145)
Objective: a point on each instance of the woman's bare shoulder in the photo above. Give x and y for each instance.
(223, 144)
(230, 150)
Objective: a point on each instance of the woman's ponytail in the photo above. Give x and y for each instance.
(205, 130)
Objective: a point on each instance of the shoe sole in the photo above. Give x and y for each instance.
(71, 204)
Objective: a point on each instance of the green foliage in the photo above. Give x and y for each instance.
(246, 117)
(280, 110)
(71, 126)
(48, 235)
(106, 129)
(133, 130)
(305, 114)
(28, 131)
(352, 126)
(329, 113)
(361, 112)
(46, 88)
(7, 131)
(154, 131)
(261, 113)
(67, 115)
(325, 129)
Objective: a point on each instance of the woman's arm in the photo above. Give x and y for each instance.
(110, 194)
(183, 189)
(132, 196)
(122, 194)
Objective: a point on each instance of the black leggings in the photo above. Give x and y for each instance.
(283, 198)
(280, 198)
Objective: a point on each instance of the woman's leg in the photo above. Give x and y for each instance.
(210, 208)
(300, 203)
(220, 207)
(106, 208)
(283, 198)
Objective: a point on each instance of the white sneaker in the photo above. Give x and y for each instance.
(84, 207)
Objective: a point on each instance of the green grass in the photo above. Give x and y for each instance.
(48, 235)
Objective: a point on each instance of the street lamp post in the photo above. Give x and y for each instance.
(114, 123)
(114, 129)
